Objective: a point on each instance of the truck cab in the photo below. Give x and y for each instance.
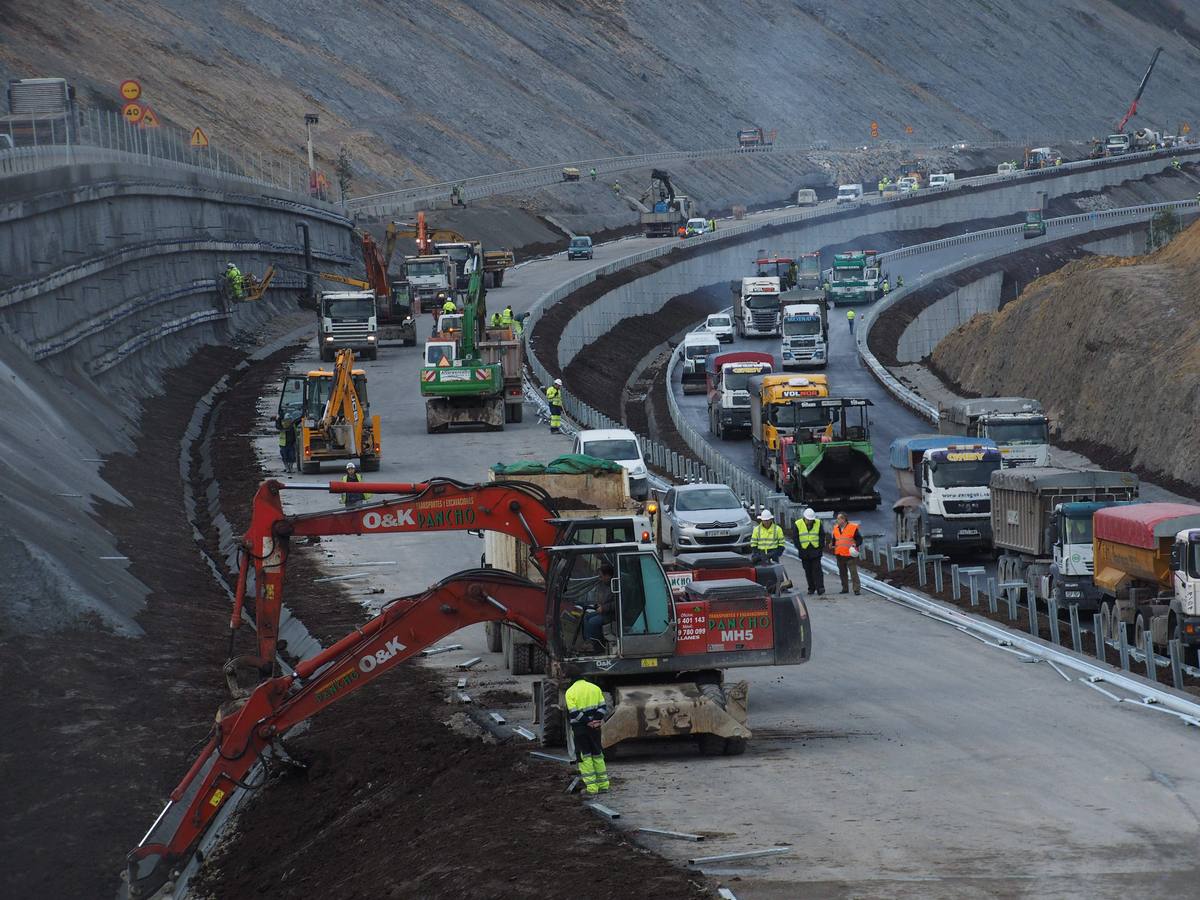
(854, 278)
(803, 337)
(698, 346)
(808, 276)
(347, 319)
(1117, 144)
(1073, 562)
(462, 255)
(758, 309)
(727, 378)
(945, 503)
(1017, 425)
(773, 414)
(429, 279)
(941, 179)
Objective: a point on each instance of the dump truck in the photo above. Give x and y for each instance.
(499, 346)
(1147, 560)
(757, 310)
(347, 320)
(1042, 526)
(752, 137)
(698, 346)
(808, 295)
(945, 504)
(726, 378)
(430, 280)
(855, 277)
(1018, 425)
(827, 461)
(579, 493)
(668, 210)
(333, 418)
(772, 415)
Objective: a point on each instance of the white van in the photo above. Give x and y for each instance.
(620, 445)
(806, 197)
(940, 179)
(849, 193)
(698, 346)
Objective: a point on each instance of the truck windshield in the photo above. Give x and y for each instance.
(1078, 530)
(349, 309)
(963, 474)
(809, 264)
(707, 498)
(1192, 558)
(802, 325)
(763, 301)
(1031, 431)
(847, 275)
(736, 381)
(426, 269)
(799, 416)
(699, 351)
(612, 450)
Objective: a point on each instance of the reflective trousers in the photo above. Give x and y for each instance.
(590, 753)
(555, 417)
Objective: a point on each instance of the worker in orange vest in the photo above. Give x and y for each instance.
(682, 232)
(844, 541)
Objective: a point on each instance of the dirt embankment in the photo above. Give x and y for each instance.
(1112, 349)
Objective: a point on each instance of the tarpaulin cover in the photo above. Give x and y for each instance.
(1144, 524)
(568, 464)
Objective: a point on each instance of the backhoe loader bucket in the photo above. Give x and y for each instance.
(843, 475)
(677, 710)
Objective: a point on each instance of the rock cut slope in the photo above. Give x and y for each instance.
(1111, 347)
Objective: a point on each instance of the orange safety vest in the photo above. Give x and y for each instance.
(843, 538)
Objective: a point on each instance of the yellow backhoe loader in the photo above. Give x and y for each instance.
(333, 416)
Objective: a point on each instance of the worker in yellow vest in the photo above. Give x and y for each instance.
(506, 317)
(810, 543)
(850, 320)
(586, 709)
(844, 541)
(766, 540)
(554, 398)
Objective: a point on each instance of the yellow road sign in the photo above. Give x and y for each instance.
(132, 112)
(149, 119)
(130, 89)
(199, 138)
(874, 129)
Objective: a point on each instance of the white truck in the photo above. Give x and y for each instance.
(757, 312)
(849, 193)
(1042, 526)
(728, 377)
(944, 504)
(429, 280)
(698, 346)
(803, 343)
(1118, 144)
(1018, 425)
(941, 179)
(347, 319)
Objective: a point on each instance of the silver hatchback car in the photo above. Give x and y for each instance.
(699, 517)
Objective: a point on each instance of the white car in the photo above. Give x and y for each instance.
(720, 325)
(620, 445)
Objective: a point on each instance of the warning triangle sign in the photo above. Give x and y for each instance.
(199, 138)
(149, 119)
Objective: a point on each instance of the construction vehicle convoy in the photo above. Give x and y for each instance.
(698, 346)
(333, 416)
(659, 659)
(757, 309)
(945, 504)
(1017, 425)
(1042, 526)
(667, 210)
(727, 377)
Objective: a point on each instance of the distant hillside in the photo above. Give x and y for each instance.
(427, 91)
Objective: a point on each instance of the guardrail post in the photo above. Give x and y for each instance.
(1123, 647)
(1175, 650)
(1052, 611)
(1098, 636)
(991, 594)
(1011, 594)
(1148, 649)
(1033, 614)
(1076, 633)
(954, 583)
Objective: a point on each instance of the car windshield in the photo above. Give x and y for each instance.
(349, 309)
(615, 449)
(1029, 432)
(719, 321)
(706, 498)
(581, 242)
(975, 473)
(699, 351)
(763, 301)
(802, 325)
(799, 416)
(1078, 529)
(425, 269)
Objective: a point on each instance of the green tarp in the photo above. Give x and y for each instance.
(568, 464)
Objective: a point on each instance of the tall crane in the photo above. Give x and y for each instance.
(1138, 96)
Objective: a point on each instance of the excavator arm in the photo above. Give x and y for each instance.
(246, 731)
(512, 507)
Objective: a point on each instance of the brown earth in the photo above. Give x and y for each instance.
(1112, 349)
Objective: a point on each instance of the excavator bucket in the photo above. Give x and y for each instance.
(677, 710)
(843, 475)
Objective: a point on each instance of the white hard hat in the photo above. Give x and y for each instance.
(809, 515)
(229, 265)
(350, 466)
(765, 515)
(558, 381)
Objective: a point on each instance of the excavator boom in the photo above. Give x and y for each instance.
(244, 732)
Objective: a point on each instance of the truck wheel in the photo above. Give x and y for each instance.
(554, 720)
(518, 412)
(711, 745)
(1139, 630)
(521, 659)
(326, 355)
(491, 632)
(507, 413)
(735, 746)
(1106, 627)
(369, 463)
(498, 278)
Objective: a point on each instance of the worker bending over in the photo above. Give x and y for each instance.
(586, 708)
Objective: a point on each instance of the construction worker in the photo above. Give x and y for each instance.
(586, 709)
(352, 500)
(767, 540)
(518, 325)
(496, 320)
(810, 543)
(844, 541)
(236, 284)
(682, 232)
(1175, 164)
(850, 320)
(616, 186)
(554, 398)
(712, 225)
(449, 307)
(287, 442)
(592, 172)
(885, 287)
(506, 317)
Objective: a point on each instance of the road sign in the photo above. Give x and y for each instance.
(130, 89)
(908, 129)
(199, 138)
(874, 129)
(149, 119)
(132, 112)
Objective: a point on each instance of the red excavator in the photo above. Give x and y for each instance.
(659, 648)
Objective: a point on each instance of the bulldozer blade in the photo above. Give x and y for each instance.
(672, 710)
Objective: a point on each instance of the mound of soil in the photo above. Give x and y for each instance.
(1112, 349)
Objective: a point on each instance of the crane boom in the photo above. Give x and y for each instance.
(1138, 96)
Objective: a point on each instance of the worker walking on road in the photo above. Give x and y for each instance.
(586, 709)
(850, 320)
(236, 283)
(554, 398)
(352, 500)
(767, 540)
(810, 543)
(287, 442)
(844, 542)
